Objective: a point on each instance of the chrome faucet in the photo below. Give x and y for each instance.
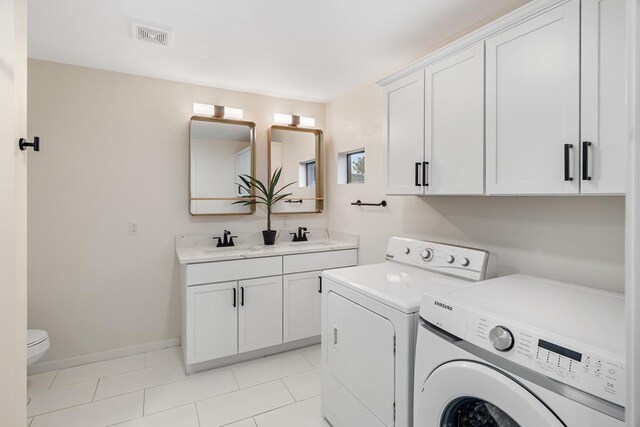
(226, 240)
(301, 236)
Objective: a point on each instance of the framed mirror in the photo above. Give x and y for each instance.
(219, 151)
(298, 151)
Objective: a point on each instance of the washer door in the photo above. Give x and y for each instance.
(470, 394)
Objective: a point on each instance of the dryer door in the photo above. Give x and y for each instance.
(465, 393)
(360, 364)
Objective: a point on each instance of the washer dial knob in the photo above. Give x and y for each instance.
(465, 262)
(451, 259)
(427, 254)
(501, 338)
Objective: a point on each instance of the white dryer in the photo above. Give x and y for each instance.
(521, 351)
(369, 323)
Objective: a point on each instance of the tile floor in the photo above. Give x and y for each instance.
(152, 390)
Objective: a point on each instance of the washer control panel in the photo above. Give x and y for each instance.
(453, 260)
(583, 369)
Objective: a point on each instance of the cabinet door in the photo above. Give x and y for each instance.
(454, 123)
(532, 116)
(604, 113)
(212, 322)
(404, 134)
(260, 315)
(302, 299)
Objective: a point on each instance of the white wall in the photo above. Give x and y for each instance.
(115, 148)
(577, 239)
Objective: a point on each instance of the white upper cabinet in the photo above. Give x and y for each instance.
(532, 104)
(404, 134)
(260, 315)
(454, 123)
(532, 110)
(603, 147)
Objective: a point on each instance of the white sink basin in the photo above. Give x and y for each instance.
(226, 250)
(310, 243)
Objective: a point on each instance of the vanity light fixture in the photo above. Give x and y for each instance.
(217, 111)
(293, 120)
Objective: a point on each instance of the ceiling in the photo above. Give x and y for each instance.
(302, 49)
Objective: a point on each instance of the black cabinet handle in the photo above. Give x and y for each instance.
(585, 160)
(567, 162)
(24, 144)
(417, 173)
(235, 297)
(242, 296)
(320, 287)
(425, 182)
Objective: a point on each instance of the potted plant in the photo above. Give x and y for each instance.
(263, 195)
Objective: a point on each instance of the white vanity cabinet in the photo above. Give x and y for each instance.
(236, 309)
(260, 313)
(531, 104)
(211, 321)
(302, 296)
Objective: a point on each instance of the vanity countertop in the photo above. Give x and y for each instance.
(201, 248)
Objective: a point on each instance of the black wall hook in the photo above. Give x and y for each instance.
(24, 144)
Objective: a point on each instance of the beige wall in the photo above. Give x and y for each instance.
(13, 210)
(114, 149)
(577, 239)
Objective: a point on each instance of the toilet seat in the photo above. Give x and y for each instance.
(37, 344)
(35, 337)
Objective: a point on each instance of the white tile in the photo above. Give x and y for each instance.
(198, 387)
(270, 368)
(313, 355)
(304, 385)
(138, 380)
(95, 414)
(244, 423)
(61, 397)
(242, 404)
(166, 355)
(184, 416)
(99, 369)
(40, 382)
(305, 413)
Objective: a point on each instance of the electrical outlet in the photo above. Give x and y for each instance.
(133, 228)
(285, 222)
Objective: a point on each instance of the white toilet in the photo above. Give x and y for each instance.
(37, 345)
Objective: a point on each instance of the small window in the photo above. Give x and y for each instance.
(355, 167)
(310, 169)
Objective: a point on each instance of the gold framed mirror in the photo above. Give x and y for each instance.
(298, 151)
(219, 151)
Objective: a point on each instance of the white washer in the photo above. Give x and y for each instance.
(521, 351)
(369, 323)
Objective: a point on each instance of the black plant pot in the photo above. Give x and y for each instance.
(269, 237)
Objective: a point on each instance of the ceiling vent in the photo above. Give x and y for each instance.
(150, 34)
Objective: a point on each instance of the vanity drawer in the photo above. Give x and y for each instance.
(320, 261)
(223, 271)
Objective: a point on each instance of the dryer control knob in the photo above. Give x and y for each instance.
(427, 254)
(501, 338)
(465, 262)
(451, 259)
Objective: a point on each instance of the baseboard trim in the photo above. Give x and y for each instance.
(55, 365)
